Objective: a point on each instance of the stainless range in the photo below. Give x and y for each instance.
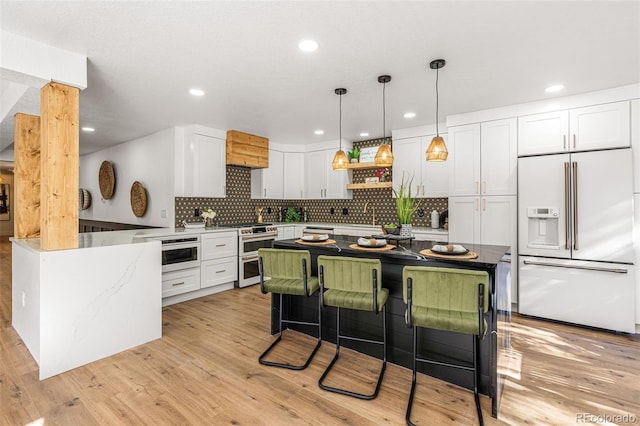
(251, 237)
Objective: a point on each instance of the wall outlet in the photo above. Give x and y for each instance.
(345, 211)
(196, 212)
(332, 211)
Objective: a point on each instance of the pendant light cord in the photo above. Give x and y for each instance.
(384, 116)
(437, 102)
(340, 121)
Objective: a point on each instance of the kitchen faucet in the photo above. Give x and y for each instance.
(373, 209)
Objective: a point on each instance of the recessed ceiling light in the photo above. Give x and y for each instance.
(308, 45)
(88, 129)
(364, 134)
(196, 92)
(319, 132)
(409, 115)
(554, 88)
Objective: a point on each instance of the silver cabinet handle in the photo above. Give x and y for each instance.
(220, 245)
(484, 186)
(177, 284)
(566, 206)
(574, 165)
(588, 268)
(564, 142)
(475, 187)
(574, 141)
(220, 271)
(265, 192)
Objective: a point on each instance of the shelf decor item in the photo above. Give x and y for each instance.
(208, 215)
(340, 161)
(354, 154)
(383, 175)
(406, 206)
(437, 150)
(106, 179)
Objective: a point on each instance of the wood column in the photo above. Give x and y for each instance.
(59, 112)
(26, 220)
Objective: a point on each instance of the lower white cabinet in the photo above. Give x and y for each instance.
(218, 271)
(286, 232)
(219, 244)
(431, 236)
(179, 282)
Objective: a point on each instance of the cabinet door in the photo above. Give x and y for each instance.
(219, 244)
(178, 282)
(268, 182)
(205, 171)
(498, 221)
(635, 144)
(435, 174)
(406, 162)
(543, 133)
(498, 157)
(464, 154)
(293, 175)
(314, 175)
(464, 220)
(600, 126)
(335, 180)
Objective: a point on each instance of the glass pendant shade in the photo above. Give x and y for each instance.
(437, 150)
(384, 156)
(340, 161)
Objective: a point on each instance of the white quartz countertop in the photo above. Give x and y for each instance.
(439, 231)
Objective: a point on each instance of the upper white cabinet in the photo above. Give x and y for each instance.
(580, 129)
(293, 175)
(635, 144)
(321, 181)
(483, 158)
(430, 179)
(200, 164)
(268, 182)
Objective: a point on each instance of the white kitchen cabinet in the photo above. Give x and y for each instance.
(293, 175)
(219, 266)
(464, 219)
(635, 144)
(201, 166)
(321, 181)
(431, 235)
(269, 182)
(286, 232)
(178, 282)
(483, 158)
(579, 129)
(430, 179)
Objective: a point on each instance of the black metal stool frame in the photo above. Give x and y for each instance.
(476, 360)
(282, 321)
(357, 339)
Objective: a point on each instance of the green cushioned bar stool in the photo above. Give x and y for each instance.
(451, 300)
(285, 272)
(353, 283)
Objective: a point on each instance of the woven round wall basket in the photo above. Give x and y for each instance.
(106, 179)
(84, 199)
(138, 199)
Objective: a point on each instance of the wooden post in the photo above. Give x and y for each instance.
(59, 112)
(26, 221)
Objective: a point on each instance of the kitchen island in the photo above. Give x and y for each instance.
(493, 351)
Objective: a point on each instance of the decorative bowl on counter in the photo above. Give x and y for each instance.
(393, 231)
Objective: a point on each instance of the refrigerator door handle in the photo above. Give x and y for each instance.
(588, 268)
(566, 206)
(575, 204)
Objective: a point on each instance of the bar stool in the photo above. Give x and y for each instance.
(446, 299)
(285, 272)
(353, 283)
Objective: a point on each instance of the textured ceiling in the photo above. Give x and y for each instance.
(144, 56)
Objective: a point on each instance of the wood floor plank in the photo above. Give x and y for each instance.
(205, 371)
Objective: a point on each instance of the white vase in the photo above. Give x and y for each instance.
(406, 230)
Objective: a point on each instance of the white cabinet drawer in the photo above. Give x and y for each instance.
(218, 271)
(178, 282)
(220, 244)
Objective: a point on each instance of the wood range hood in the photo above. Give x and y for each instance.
(244, 149)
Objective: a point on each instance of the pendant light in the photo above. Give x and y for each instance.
(340, 161)
(384, 156)
(437, 150)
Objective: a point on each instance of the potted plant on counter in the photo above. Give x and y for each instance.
(354, 154)
(406, 206)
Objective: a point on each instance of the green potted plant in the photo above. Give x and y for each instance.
(292, 215)
(406, 206)
(354, 154)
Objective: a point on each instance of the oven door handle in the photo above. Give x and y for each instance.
(259, 237)
(249, 258)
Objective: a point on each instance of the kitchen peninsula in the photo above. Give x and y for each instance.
(72, 307)
(454, 347)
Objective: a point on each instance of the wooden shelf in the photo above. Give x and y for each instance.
(379, 185)
(362, 166)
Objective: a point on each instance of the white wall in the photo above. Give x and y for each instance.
(149, 160)
(6, 226)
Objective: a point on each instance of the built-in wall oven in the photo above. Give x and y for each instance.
(180, 252)
(252, 237)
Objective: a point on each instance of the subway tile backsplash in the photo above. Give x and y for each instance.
(239, 207)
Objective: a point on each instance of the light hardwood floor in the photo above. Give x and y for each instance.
(204, 371)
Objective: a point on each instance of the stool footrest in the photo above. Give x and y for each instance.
(286, 365)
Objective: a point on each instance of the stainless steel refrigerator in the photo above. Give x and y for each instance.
(575, 238)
